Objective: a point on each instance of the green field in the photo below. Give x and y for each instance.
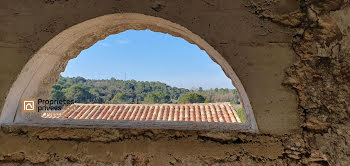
(241, 115)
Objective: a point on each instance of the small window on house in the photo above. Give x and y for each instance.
(144, 78)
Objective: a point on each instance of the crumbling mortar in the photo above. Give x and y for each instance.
(305, 149)
(304, 25)
(302, 62)
(308, 25)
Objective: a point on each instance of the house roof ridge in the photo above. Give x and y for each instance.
(154, 103)
(195, 112)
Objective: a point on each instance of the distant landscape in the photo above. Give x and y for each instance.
(114, 91)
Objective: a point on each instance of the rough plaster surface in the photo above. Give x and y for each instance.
(243, 42)
(44, 68)
(318, 32)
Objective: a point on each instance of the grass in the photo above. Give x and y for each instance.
(241, 115)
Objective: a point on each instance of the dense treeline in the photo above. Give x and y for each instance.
(133, 92)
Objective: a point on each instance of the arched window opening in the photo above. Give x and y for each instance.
(125, 95)
(145, 76)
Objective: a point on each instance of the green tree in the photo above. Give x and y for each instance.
(57, 95)
(151, 98)
(131, 91)
(207, 100)
(56, 92)
(121, 98)
(200, 90)
(79, 93)
(157, 97)
(162, 97)
(191, 98)
(97, 95)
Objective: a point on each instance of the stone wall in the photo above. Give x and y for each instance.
(293, 57)
(258, 50)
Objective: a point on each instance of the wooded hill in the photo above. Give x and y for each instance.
(134, 92)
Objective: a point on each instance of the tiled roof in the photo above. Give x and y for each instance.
(197, 112)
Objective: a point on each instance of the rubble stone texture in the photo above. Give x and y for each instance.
(318, 73)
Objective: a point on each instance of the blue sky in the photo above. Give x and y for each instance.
(148, 56)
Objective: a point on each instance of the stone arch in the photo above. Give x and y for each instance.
(43, 69)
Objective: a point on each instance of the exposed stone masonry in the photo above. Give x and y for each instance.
(321, 78)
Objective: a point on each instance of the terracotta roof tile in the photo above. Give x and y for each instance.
(197, 112)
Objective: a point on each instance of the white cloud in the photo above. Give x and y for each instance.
(123, 41)
(103, 44)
